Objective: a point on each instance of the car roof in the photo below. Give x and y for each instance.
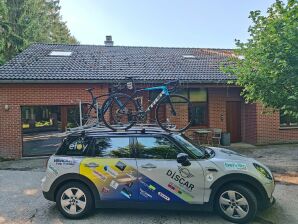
(103, 131)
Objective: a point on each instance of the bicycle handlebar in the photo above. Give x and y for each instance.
(174, 83)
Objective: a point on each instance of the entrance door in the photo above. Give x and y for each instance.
(162, 178)
(233, 113)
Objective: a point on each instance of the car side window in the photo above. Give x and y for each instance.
(156, 148)
(113, 147)
(75, 146)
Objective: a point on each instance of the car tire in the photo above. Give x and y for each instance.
(74, 200)
(236, 203)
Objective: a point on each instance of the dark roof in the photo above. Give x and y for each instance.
(94, 63)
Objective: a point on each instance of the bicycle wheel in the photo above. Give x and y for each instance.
(174, 113)
(118, 110)
(88, 115)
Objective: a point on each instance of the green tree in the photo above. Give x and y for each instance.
(267, 64)
(4, 29)
(24, 22)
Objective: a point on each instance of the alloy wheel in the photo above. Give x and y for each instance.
(234, 204)
(73, 201)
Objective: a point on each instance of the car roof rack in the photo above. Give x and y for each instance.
(138, 128)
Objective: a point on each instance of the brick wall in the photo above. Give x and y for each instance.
(217, 98)
(256, 127)
(249, 123)
(17, 95)
(268, 129)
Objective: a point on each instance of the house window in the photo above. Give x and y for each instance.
(287, 120)
(40, 118)
(198, 98)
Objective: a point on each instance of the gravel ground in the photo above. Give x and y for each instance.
(22, 202)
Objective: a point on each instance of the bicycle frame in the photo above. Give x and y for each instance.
(164, 92)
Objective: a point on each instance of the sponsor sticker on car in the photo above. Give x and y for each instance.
(164, 196)
(114, 184)
(235, 166)
(110, 171)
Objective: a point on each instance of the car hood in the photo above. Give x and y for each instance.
(227, 154)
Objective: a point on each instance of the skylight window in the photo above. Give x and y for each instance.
(189, 56)
(60, 53)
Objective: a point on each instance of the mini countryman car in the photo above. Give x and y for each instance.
(154, 169)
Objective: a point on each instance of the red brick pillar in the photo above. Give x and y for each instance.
(63, 118)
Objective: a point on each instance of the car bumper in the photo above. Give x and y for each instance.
(267, 203)
(48, 195)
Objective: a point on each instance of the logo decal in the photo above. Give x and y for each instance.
(144, 193)
(53, 169)
(120, 165)
(126, 193)
(65, 162)
(209, 177)
(91, 165)
(179, 191)
(184, 183)
(99, 175)
(163, 196)
(235, 166)
(150, 186)
(110, 171)
(105, 190)
(114, 184)
(184, 172)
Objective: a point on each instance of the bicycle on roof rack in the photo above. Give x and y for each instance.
(91, 113)
(173, 112)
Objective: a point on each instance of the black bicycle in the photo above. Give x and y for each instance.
(173, 112)
(91, 113)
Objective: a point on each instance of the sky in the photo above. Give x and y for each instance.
(161, 23)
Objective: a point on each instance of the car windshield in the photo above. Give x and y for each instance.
(196, 150)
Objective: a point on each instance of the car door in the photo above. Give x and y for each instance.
(161, 177)
(112, 168)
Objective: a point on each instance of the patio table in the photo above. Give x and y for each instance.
(203, 134)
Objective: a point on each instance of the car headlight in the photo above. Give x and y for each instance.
(262, 171)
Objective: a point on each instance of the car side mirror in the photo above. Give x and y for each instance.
(182, 158)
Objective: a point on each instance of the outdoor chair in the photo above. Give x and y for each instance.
(216, 136)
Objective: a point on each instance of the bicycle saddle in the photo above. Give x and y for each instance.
(89, 89)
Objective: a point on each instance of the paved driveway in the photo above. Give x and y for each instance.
(22, 202)
(42, 143)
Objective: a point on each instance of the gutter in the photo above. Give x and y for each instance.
(15, 81)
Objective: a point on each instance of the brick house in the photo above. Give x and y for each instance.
(40, 89)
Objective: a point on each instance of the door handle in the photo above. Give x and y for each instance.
(212, 170)
(148, 166)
